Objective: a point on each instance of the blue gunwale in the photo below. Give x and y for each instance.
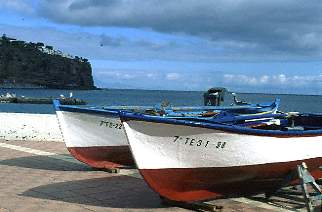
(196, 123)
(261, 106)
(70, 108)
(273, 104)
(127, 116)
(113, 110)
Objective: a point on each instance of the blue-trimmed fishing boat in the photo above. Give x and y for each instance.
(187, 160)
(96, 137)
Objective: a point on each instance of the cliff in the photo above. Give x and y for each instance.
(37, 65)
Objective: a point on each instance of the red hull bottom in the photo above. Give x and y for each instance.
(103, 156)
(196, 184)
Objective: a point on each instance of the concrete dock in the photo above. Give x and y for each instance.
(42, 176)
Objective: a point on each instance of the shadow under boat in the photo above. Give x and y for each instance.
(45, 163)
(111, 192)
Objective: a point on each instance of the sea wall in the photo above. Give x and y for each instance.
(25, 126)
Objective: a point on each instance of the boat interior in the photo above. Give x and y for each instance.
(293, 122)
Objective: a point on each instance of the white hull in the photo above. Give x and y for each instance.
(90, 130)
(184, 163)
(95, 139)
(179, 146)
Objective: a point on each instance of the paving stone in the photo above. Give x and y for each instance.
(40, 183)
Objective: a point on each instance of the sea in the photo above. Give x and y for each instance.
(112, 97)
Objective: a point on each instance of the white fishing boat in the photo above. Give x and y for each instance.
(191, 161)
(96, 137)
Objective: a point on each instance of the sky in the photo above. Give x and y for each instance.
(267, 46)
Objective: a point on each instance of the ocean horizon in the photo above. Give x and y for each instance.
(305, 103)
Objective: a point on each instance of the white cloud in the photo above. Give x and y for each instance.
(264, 79)
(153, 76)
(173, 76)
(276, 80)
(240, 79)
(281, 78)
(266, 83)
(119, 75)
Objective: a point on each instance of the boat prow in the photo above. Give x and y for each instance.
(94, 136)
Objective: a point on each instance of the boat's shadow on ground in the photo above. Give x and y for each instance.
(112, 192)
(45, 163)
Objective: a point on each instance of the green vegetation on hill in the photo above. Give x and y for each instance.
(37, 65)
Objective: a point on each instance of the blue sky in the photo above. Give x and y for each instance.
(244, 45)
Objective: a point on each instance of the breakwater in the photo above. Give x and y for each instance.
(42, 100)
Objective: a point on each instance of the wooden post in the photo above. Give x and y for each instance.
(109, 170)
(196, 206)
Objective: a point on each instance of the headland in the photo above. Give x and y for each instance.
(36, 65)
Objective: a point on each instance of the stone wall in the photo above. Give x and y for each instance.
(29, 127)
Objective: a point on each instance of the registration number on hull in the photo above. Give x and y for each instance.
(198, 142)
(111, 124)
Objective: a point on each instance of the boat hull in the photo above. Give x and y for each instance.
(194, 163)
(95, 139)
(193, 184)
(103, 157)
